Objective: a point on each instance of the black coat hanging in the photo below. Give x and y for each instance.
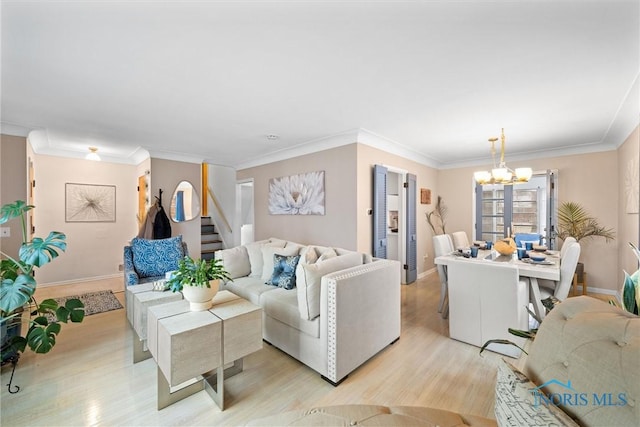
(161, 225)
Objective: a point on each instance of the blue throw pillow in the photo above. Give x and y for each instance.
(156, 257)
(284, 271)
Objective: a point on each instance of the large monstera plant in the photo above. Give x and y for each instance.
(19, 285)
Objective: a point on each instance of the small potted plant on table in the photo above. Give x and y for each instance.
(198, 280)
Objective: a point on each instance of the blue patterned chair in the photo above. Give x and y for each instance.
(148, 260)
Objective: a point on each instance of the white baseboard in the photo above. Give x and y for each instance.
(427, 272)
(81, 280)
(591, 289)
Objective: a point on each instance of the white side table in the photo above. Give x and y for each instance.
(138, 299)
(193, 344)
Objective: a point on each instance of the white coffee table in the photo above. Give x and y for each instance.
(190, 345)
(138, 298)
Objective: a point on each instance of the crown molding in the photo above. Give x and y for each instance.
(595, 147)
(380, 142)
(14, 129)
(362, 136)
(626, 118)
(41, 144)
(178, 157)
(309, 147)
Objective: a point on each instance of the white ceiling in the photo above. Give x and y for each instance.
(209, 80)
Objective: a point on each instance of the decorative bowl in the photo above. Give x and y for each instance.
(505, 246)
(539, 248)
(537, 257)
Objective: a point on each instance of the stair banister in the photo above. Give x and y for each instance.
(219, 209)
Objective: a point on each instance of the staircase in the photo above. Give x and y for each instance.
(209, 239)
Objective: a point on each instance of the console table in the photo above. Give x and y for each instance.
(192, 348)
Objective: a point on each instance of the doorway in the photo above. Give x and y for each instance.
(394, 218)
(245, 211)
(395, 215)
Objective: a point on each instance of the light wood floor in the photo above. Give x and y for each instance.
(89, 377)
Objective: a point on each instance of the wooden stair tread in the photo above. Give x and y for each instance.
(209, 251)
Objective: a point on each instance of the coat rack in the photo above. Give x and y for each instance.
(159, 198)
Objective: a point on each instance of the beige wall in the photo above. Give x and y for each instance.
(348, 192)
(338, 226)
(426, 178)
(166, 175)
(628, 159)
(13, 186)
(580, 179)
(93, 249)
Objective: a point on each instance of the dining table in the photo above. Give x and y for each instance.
(528, 269)
(479, 300)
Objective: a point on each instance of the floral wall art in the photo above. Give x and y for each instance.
(301, 194)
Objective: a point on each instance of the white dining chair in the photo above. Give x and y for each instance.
(443, 245)
(460, 240)
(565, 245)
(560, 289)
(485, 300)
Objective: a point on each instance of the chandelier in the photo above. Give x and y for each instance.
(501, 173)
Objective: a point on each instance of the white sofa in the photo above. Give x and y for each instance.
(344, 309)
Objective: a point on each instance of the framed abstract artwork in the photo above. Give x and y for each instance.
(90, 203)
(301, 194)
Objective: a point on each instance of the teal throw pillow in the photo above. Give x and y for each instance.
(284, 271)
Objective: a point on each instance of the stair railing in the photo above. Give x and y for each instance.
(219, 209)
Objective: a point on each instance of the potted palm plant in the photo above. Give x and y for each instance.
(198, 280)
(575, 221)
(18, 287)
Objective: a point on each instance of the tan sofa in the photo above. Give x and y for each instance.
(344, 309)
(587, 352)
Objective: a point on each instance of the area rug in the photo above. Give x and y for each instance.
(94, 302)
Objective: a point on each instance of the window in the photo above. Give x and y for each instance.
(492, 211)
(503, 210)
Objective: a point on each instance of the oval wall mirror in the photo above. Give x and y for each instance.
(185, 203)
